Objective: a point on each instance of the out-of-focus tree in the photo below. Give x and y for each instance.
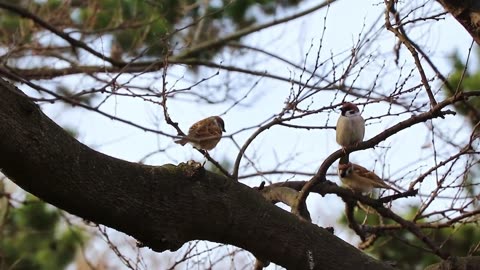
(400, 247)
(464, 79)
(32, 237)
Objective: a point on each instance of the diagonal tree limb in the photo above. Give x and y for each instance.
(467, 13)
(327, 187)
(163, 207)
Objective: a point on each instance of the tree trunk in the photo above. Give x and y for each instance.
(161, 206)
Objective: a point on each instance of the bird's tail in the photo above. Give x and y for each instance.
(395, 189)
(182, 141)
(385, 185)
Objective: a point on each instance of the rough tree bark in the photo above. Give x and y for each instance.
(161, 206)
(467, 14)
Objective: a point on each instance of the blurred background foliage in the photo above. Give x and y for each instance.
(33, 233)
(463, 79)
(34, 237)
(405, 251)
(148, 28)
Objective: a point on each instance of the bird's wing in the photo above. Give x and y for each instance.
(359, 126)
(204, 129)
(374, 179)
(361, 171)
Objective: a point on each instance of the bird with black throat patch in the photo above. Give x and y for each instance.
(204, 134)
(350, 126)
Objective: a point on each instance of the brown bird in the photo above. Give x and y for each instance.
(204, 134)
(360, 179)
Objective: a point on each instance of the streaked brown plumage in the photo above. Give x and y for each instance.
(204, 134)
(360, 179)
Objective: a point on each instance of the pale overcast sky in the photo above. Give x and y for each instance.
(300, 150)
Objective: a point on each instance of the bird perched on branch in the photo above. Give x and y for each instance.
(360, 179)
(204, 134)
(350, 126)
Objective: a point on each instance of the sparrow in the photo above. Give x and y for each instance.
(350, 126)
(360, 179)
(204, 134)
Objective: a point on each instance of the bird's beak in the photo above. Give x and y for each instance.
(224, 130)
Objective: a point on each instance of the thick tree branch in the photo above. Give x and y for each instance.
(163, 207)
(144, 67)
(467, 14)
